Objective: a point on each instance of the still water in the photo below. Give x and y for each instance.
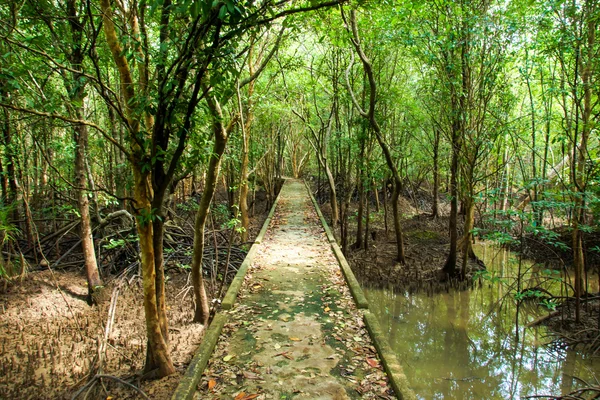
(463, 344)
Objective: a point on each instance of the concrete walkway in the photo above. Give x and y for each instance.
(294, 331)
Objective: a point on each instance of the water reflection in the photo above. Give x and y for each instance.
(463, 344)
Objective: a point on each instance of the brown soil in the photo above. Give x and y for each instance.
(577, 335)
(49, 335)
(426, 242)
(541, 251)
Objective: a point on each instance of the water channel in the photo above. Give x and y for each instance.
(459, 345)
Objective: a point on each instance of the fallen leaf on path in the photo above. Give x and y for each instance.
(327, 309)
(284, 354)
(372, 363)
(211, 384)
(251, 375)
(227, 358)
(240, 396)
(295, 339)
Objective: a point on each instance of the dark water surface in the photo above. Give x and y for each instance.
(463, 344)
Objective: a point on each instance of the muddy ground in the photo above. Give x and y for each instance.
(49, 335)
(426, 244)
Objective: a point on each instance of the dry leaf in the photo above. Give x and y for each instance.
(250, 375)
(284, 354)
(327, 309)
(372, 363)
(211, 384)
(240, 396)
(227, 358)
(295, 339)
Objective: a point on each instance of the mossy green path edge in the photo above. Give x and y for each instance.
(355, 289)
(187, 385)
(236, 284)
(390, 362)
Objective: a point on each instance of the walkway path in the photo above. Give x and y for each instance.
(295, 331)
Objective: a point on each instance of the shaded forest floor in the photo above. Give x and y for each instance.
(49, 338)
(426, 244)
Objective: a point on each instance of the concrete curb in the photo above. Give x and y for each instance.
(236, 283)
(357, 292)
(187, 386)
(393, 369)
(355, 289)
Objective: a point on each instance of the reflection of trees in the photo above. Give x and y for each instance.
(453, 345)
(568, 372)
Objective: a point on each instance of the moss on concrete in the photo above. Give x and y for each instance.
(187, 386)
(392, 367)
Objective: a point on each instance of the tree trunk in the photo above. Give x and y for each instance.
(449, 268)
(202, 310)
(435, 208)
(370, 116)
(87, 239)
(467, 238)
(157, 353)
(361, 206)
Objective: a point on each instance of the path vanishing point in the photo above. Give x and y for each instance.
(294, 330)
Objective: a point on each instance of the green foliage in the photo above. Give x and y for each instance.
(146, 217)
(122, 242)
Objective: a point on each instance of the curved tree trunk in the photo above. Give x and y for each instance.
(157, 356)
(370, 116)
(202, 310)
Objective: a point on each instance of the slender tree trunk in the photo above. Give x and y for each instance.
(450, 265)
(580, 157)
(367, 222)
(376, 193)
(468, 235)
(370, 116)
(202, 310)
(385, 206)
(13, 183)
(435, 208)
(246, 132)
(87, 239)
(361, 206)
(157, 352)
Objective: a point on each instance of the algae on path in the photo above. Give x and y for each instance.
(295, 331)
